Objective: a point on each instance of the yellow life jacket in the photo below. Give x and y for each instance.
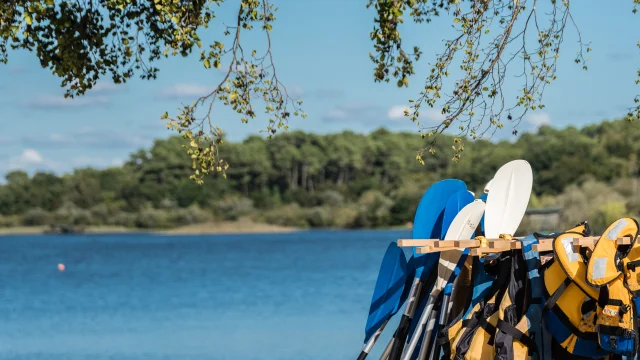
(570, 309)
(519, 331)
(489, 282)
(475, 338)
(505, 325)
(616, 323)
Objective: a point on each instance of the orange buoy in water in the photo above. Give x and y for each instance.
(61, 267)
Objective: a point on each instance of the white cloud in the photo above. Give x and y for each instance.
(356, 112)
(29, 160)
(96, 162)
(433, 115)
(538, 119)
(103, 87)
(18, 69)
(30, 157)
(295, 91)
(58, 102)
(184, 90)
(397, 112)
(337, 114)
(89, 137)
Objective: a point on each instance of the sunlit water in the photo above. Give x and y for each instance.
(132, 297)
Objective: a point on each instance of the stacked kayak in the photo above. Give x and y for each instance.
(472, 290)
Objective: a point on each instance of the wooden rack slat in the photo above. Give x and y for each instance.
(426, 246)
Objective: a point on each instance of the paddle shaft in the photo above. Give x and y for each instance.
(387, 350)
(420, 327)
(369, 345)
(405, 321)
(435, 349)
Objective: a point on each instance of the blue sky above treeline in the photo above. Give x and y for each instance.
(321, 49)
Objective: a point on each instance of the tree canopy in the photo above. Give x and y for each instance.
(343, 179)
(497, 41)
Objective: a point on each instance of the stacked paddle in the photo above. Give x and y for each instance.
(423, 284)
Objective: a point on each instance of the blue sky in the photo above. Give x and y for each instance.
(321, 52)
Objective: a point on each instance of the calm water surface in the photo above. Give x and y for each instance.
(302, 296)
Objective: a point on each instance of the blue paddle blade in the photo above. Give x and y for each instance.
(483, 197)
(411, 273)
(456, 202)
(427, 223)
(389, 288)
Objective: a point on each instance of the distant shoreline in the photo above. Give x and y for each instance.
(223, 227)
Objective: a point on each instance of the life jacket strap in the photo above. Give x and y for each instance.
(484, 324)
(490, 329)
(518, 335)
(551, 302)
(631, 265)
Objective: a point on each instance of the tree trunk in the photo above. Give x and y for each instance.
(303, 176)
(340, 176)
(311, 189)
(294, 177)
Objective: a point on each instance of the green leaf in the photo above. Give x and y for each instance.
(456, 20)
(49, 2)
(207, 64)
(27, 19)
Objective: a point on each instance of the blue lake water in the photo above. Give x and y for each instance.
(302, 296)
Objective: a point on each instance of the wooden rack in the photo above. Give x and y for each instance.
(479, 247)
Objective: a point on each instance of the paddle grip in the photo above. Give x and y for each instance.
(362, 356)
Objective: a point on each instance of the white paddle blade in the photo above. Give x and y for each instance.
(465, 223)
(486, 187)
(508, 199)
(462, 227)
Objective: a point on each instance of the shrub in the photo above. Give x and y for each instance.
(578, 202)
(374, 209)
(288, 215)
(191, 215)
(331, 198)
(9, 221)
(150, 218)
(168, 204)
(36, 217)
(104, 213)
(232, 208)
(123, 219)
(345, 217)
(70, 214)
(319, 217)
(605, 214)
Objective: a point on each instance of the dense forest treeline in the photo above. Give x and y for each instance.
(337, 180)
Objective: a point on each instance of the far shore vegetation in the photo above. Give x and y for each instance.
(344, 180)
